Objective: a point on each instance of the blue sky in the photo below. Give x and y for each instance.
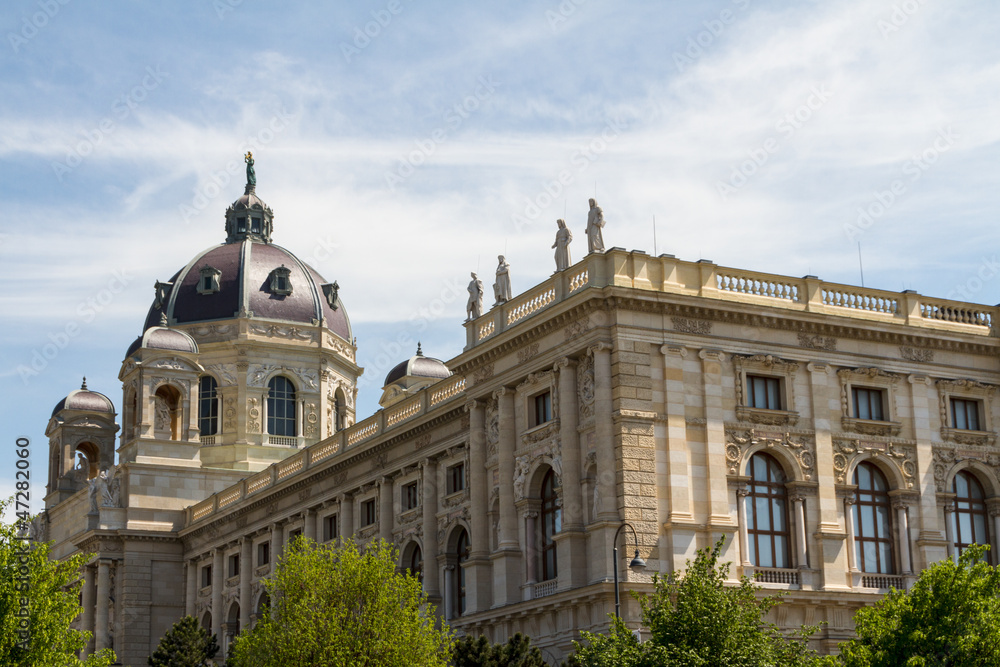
(403, 144)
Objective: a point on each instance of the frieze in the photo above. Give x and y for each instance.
(276, 331)
(527, 353)
(801, 447)
(482, 374)
(169, 364)
(339, 347)
(685, 325)
(826, 343)
(902, 456)
(916, 353)
(577, 328)
(211, 330)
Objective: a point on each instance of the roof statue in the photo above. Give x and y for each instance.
(474, 307)
(501, 288)
(595, 222)
(251, 174)
(563, 239)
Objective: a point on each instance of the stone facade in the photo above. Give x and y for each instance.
(623, 386)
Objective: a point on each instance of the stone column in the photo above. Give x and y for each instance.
(742, 491)
(88, 607)
(679, 542)
(449, 588)
(478, 569)
(277, 542)
(246, 572)
(799, 502)
(716, 504)
(995, 515)
(949, 529)
(530, 549)
(385, 518)
(430, 544)
(191, 599)
(571, 541)
(102, 603)
(309, 524)
(346, 516)
(604, 434)
(318, 525)
(218, 582)
(925, 405)
(507, 559)
(904, 536)
(852, 559)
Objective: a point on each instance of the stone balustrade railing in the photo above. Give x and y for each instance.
(340, 443)
(670, 275)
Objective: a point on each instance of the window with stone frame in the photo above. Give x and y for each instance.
(765, 389)
(972, 524)
(410, 496)
(209, 280)
(280, 280)
(768, 533)
(208, 405)
(234, 565)
(330, 528)
(541, 408)
(206, 576)
(263, 553)
(455, 478)
(966, 415)
(868, 400)
(551, 518)
(368, 516)
(875, 550)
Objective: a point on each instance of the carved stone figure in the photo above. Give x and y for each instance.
(520, 477)
(162, 412)
(563, 239)
(111, 488)
(474, 307)
(251, 174)
(595, 222)
(93, 492)
(501, 288)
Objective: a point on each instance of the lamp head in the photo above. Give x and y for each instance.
(637, 562)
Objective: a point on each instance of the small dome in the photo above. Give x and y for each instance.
(418, 366)
(163, 338)
(84, 399)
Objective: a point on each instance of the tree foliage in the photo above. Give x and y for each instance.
(50, 588)
(343, 606)
(187, 644)
(696, 620)
(479, 652)
(950, 617)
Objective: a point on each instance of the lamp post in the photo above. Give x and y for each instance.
(636, 564)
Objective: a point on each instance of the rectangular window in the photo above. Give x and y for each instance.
(263, 553)
(763, 392)
(965, 414)
(409, 498)
(241, 225)
(368, 512)
(330, 528)
(206, 576)
(542, 411)
(868, 403)
(234, 565)
(292, 535)
(456, 478)
(255, 225)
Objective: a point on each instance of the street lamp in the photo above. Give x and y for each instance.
(635, 565)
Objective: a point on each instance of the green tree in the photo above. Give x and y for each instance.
(951, 616)
(343, 606)
(50, 588)
(187, 644)
(479, 652)
(696, 619)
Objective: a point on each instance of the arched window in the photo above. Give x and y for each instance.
(970, 512)
(415, 563)
(874, 551)
(208, 405)
(767, 520)
(167, 413)
(461, 555)
(551, 525)
(281, 407)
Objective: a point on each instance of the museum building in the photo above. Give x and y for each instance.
(840, 438)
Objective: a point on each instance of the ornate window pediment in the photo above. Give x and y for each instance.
(966, 415)
(765, 389)
(280, 281)
(208, 282)
(868, 401)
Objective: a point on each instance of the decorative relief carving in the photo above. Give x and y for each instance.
(311, 429)
(577, 328)
(685, 325)
(170, 364)
(527, 353)
(253, 415)
(828, 343)
(227, 372)
(422, 441)
(492, 421)
(482, 374)
(379, 460)
(276, 331)
(585, 387)
(340, 347)
(551, 429)
(947, 459)
(211, 330)
(258, 372)
(304, 494)
(801, 447)
(901, 456)
(916, 353)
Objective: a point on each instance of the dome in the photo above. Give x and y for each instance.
(248, 276)
(163, 338)
(418, 366)
(84, 399)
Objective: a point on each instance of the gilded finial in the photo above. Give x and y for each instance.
(83, 385)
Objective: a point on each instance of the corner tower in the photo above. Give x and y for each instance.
(246, 355)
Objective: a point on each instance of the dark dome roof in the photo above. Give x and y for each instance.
(245, 268)
(418, 366)
(84, 399)
(163, 338)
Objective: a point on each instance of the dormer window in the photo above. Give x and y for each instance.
(281, 283)
(162, 294)
(208, 283)
(330, 291)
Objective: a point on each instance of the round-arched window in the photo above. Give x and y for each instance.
(281, 407)
(873, 544)
(768, 535)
